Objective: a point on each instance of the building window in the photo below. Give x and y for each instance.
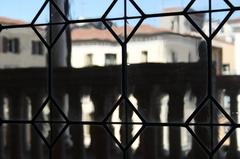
(144, 56)
(217, 58)
(172, 25)
(11, 45)
(110, 59)
(37, 48)
(5, 44)
(173, 56)
(189, 57)
(236, 29)
(89, 59)
(226, 69)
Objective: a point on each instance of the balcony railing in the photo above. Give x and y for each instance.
(23, 100)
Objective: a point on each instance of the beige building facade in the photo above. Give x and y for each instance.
(20, 48)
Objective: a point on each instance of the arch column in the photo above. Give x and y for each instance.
(233, 147)
(102, 98)
(15, 138)
(175, 115)
(2, 146)
(75, 114)
(36, 142)
(202, 132)
(199, 89)
(149, 105)
(59, 149)
(125, 115)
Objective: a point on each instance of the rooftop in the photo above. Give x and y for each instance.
(233, 21)
(86, 34)
(10, 21)
(79, 34)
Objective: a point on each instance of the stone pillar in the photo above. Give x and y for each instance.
(203, 133)
(151, 140)
(59, 53)
(60, 48)
(26, 127)
(125, 115)
(233, 147)
(76, 132)
(36, 141)
(199, 89)
(101, 145)
(2, 146)
(15, 131)
(59, 149)
(175, 115)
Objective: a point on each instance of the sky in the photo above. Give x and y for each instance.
(27, 9)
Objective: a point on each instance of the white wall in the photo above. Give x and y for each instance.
(158, 47)
(182, 46)
(98, 49)
(154, 48)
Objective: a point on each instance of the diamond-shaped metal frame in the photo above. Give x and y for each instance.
(61, 113)
(64, 23)
(209, 11)
(125, 18)
(199, 108)
(106, 120)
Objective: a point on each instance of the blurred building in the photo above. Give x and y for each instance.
(20, 47)
(93, 46)
(175, 41)
(235, 28)
(224, 43)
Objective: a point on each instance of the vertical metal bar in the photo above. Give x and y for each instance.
(124, 66)
(50, 70)
(210, 72)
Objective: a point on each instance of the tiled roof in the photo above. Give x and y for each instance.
(83, 34)
(90, 34)
(231, 21)
(80, 34)
(10, 21)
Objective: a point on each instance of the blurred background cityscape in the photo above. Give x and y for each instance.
(167, 67)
